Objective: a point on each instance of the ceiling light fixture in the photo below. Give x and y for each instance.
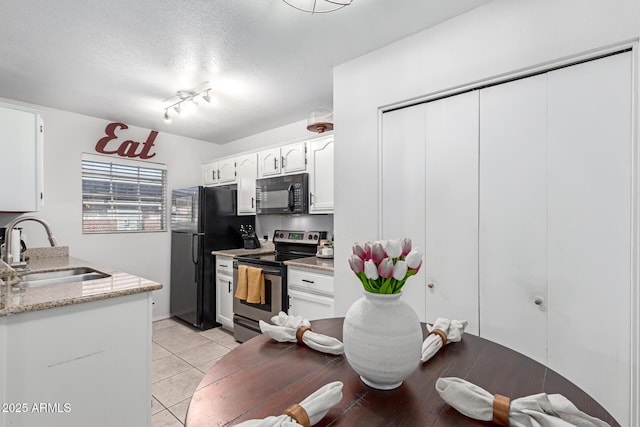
(185, 102)
(320, 120)
(318, 6)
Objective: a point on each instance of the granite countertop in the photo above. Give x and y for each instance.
(313, 263)
(265, 248)
(14, 300)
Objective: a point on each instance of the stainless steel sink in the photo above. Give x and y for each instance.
(57, 277)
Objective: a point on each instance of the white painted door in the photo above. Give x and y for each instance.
(589, 172)
(247, 170)
(451, 209)
(226, 171)
(513, 215)
(402, 201)
(269, 162)
(294, 157)
(321, 178)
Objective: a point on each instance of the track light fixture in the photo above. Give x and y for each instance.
(185, 102)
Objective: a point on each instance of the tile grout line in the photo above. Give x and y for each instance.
(229, 347)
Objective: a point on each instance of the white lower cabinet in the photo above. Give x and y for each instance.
(528, 217)
(78, 365)
(224, 291)
(310, 293)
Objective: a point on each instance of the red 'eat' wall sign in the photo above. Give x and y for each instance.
(127, 148)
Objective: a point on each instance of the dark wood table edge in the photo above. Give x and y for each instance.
(546, 380)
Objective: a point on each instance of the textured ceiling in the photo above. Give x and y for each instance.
(121, 60)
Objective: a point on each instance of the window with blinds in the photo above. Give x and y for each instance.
(122, 196)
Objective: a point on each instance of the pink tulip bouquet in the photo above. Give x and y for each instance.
(384, 266)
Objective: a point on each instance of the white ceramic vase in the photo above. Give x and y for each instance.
(382, 339)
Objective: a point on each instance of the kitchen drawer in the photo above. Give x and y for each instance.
(310, 280)
(224, 265)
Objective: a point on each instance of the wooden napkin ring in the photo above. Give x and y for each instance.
(298, 413)
(301, 330)
(441, 334)
(501, 410)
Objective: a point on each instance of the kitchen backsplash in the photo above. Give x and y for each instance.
(267, 224)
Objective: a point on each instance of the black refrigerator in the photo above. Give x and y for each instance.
(203, 219)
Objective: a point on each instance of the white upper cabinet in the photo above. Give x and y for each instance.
(294, 157)
(21, 141)
(247, 172)
(321, 175)
(226, 171)
(287, 159)
(219, 172)
(209, 173)
(269, 162)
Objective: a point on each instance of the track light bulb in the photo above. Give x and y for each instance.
(167, 118)
(177, 108)
(190, 106)
(206, 97)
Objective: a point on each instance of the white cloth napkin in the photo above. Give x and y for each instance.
(453, 329)
(284, 329)
(538, 410)
(316, 404)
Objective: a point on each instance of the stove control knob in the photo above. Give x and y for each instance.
(309, 237)
(315, 237)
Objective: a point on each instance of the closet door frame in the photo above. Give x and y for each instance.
(634, 303)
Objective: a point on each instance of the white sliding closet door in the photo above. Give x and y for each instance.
(590, 227)
(513, 215)
(451, 211)
(403, 194)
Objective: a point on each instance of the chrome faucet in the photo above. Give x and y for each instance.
(11, 226)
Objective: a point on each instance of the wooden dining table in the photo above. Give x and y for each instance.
(263, 377)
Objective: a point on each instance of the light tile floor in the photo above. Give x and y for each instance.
(181, 357)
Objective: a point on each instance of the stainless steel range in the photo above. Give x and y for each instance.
(289, 244)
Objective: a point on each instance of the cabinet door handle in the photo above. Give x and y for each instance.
(252, 202)
(229, 286)
(275, 163)
(225, 266)
(218, 173)
(538, 300)
(310, 198)
(430, 285)
(282, 162)
(308, 281)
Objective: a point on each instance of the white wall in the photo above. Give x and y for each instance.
(501, 38)
(66, 137)
(292, 132)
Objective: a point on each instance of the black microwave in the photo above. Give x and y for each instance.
(286, 194)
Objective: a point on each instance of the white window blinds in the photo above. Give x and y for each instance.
(122, 195)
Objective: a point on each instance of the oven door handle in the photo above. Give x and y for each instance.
(272, 271)
(291, 201)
